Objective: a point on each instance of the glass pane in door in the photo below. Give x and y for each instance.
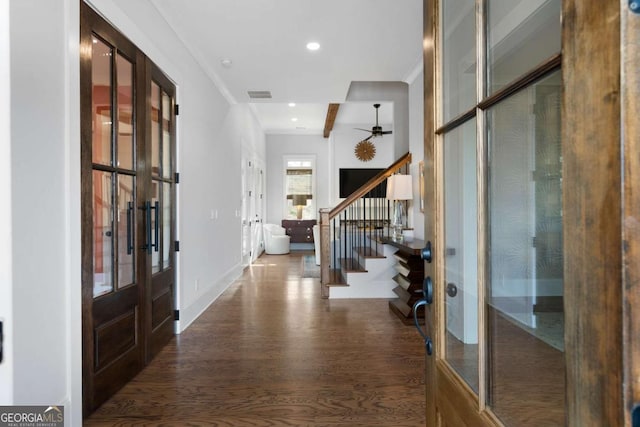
(461, 252)
(520, 35)
(101, 102)
(155, 129)
(124, 143)
(166, 225)
(459, 57)
(126, 221)
(166, 135)
(102, 233)
(525, 286)
(155, 254)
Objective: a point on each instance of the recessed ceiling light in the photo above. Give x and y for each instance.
(313, 45)
(294, 119)
(226, 63)
(292, 104)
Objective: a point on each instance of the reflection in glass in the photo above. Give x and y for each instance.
(102, 233)
(155, 129)
(155, 254)
(525, 288)
(126, 221)
(124, 142)
(101, 102)
(520, 35)
(166, 225)
(166, 135)
(461, 254)
(459, 57)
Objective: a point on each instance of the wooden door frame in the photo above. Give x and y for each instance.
(630, 96)
(598, 245)
(591, 119)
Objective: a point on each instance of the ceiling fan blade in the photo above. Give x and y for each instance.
(387, 132)
(368, 138)
(366, 130)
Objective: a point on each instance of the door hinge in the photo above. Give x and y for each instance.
(176, 246)
(176, 314)
(176, 178)
(176, 110)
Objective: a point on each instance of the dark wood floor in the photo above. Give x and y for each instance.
(271, 352)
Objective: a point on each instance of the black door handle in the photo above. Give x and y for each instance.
(129, 227)
(427, 340)
(426, 252)
(427, 289)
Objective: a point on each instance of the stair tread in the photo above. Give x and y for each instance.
(351, 265)
(368, 252)
(336, 278)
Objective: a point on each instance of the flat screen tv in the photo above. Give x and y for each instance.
(352, 179)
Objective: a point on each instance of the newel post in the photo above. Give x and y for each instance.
(325, 252)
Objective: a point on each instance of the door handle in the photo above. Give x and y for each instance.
(427, 340)
(129, 227)
(147, 209)
(427, 289)
(426, 253)
(156, 207)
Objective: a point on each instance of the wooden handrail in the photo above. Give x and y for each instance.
(370, 185)
(326, 215)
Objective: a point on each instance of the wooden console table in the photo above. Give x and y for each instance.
(410, 268)
(300, 230)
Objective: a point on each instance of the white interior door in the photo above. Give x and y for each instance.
(247, 182)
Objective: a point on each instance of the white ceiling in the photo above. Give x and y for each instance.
(361, 40)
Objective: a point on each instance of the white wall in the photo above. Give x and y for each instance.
(6, 366)
(279, 145)
(45, 165)
(396, 92)
(416, 147)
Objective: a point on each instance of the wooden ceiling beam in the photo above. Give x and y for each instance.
(332, 111)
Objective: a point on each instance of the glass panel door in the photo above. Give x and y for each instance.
(525, 287)
(461, 253)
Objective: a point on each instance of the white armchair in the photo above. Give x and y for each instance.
(276, 241)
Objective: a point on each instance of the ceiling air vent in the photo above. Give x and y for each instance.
(259, 94)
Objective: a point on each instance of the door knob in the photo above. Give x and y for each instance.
(427, 289)
(426, 252)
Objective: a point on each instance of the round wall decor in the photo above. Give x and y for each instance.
(365, 151)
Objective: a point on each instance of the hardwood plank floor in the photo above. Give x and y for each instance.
(270, 352)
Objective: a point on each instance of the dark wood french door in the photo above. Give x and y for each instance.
(128, 209)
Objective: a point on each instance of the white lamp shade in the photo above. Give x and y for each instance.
(390, 184)
(399, 187)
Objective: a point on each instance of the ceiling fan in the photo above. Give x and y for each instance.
(377, 129)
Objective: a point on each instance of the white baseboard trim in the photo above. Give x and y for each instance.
(191, 313)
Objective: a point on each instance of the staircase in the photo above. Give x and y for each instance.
(354, 262)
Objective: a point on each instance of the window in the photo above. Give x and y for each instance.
(299, 187)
